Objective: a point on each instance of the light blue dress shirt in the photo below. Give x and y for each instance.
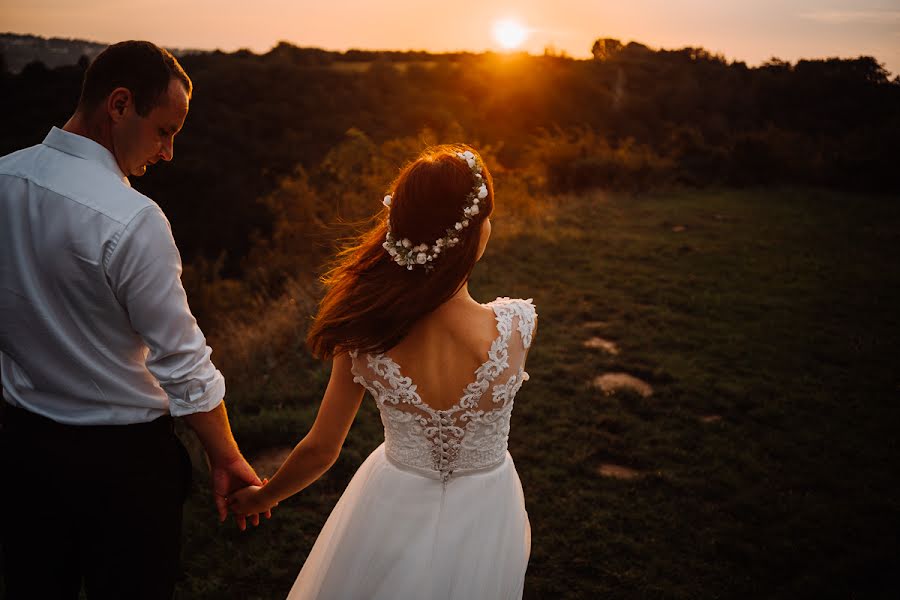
(95, 326)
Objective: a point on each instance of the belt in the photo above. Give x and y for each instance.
(443, 475)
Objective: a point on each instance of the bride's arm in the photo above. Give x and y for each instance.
(317, 451)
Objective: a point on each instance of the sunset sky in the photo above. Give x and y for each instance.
(749, 30)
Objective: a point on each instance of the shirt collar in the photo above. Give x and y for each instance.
(82, 147)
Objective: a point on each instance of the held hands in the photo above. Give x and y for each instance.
(251, 500)
(228, 469)
(229, 476)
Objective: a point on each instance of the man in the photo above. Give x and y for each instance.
(99, 349)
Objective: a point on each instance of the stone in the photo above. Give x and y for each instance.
(617, 471)
(598, 343)
(610, 383)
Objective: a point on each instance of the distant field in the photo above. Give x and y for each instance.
(358, 67)
(763, 464)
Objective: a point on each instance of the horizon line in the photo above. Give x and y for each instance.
(561, 52)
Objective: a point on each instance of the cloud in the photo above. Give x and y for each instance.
(843, 17)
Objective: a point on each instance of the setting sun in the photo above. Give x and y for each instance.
(509, 33)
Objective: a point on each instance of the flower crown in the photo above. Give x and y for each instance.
(407, 255)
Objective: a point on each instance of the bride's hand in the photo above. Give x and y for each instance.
(251, 500)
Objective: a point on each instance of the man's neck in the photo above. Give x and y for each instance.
(79, 124)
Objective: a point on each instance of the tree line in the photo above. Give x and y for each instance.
(631, 118)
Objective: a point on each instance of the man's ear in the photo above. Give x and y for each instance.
(119, 102)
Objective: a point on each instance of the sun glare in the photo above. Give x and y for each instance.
(509, 33)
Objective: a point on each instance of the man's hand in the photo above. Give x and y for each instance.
(229, 477)
(227, 467)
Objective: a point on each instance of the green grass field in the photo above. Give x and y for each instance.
(764, 463)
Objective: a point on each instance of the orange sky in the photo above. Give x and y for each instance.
(745, 30)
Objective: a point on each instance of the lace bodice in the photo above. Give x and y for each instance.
(472, 434)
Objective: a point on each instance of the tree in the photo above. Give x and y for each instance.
(606, 48)
(34, 71)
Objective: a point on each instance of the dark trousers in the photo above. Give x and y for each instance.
(100, 505)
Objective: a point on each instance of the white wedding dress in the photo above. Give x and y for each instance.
(436, 511)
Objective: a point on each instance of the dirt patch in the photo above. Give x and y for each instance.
(601, 344)
(267, 462)
(617, 471)
(610, 383)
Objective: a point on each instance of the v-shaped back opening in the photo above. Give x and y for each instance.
(472, 432)
(496, 343)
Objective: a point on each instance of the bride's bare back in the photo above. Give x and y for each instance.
(444, 349)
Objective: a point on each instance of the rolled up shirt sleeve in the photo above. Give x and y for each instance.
(144, 272)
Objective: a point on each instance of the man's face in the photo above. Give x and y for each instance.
(141, 141)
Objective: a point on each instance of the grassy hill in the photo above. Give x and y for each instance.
(761, 466)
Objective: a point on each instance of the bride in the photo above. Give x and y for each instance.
(437, 510)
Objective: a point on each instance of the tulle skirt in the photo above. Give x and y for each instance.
(396, 534)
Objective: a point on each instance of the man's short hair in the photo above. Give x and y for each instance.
(142, 67)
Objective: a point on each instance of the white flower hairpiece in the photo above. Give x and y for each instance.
(407, 255)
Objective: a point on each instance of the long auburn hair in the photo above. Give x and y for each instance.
(371, 302)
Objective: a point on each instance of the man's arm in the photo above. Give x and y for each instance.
(228, 468)
(144, 272)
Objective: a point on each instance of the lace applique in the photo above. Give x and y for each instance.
(472, 433)
(526, 312)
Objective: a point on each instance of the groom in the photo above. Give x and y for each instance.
(99, 350)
